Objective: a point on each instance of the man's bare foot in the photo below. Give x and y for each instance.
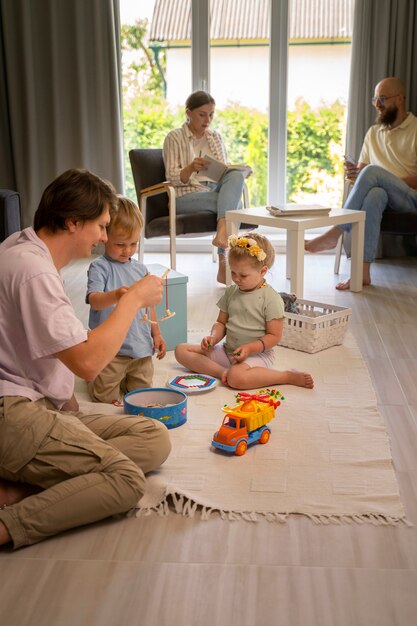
(327, 241)
(300, 379)
(366, 278)
(221, 273)
(345, 285)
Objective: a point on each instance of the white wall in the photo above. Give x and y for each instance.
(319, 73)
(240, 75)
(178, 75)
(316, 73)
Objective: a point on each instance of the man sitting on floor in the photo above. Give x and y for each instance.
(386, 174)
(60, 468)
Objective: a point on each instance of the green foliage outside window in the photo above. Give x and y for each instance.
(314, 144)
(245, 134)
(146, 122)
(315, 139)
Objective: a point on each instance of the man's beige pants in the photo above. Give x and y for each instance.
(89, 466)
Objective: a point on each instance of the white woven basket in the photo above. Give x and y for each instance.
(317, 326)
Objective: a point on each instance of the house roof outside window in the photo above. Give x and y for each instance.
(248, 21)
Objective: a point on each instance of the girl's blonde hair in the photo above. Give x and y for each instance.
(252, 246)
(125, 216)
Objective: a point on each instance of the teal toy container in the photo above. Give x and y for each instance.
(165, 405)
(174, 329)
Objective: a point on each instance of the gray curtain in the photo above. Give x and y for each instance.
(61, 102)
(384, 43)
(7, 173)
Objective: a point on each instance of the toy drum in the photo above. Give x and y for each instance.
(165, 405)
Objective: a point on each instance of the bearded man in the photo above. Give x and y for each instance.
(386, 174)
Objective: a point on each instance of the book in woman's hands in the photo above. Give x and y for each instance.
(216, 169)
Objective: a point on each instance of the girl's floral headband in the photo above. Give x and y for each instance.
(249, 245)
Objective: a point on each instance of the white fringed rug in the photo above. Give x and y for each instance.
(328, 456)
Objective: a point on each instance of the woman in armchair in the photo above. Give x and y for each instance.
(183, 149)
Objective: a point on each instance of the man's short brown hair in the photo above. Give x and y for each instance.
(76, 194)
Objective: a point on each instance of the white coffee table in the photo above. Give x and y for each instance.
(296, 227)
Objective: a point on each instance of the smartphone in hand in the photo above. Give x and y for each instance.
(349, 159)
(351, 168)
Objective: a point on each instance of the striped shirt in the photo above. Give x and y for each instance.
(178, 151)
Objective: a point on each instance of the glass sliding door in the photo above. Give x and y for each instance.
(239, 82)
(156, 73)
(317, 92)
(279, 72)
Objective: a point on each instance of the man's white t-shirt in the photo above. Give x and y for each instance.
(37, 320)
(393, 149)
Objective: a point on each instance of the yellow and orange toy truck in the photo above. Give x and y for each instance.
(246, 423)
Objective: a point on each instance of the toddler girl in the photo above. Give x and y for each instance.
(251, 318)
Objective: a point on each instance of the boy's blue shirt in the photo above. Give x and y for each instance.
(104, 275)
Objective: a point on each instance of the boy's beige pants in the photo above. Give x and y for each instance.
(89, 466)
(121, 375)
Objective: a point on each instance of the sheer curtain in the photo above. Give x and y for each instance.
(61, 102)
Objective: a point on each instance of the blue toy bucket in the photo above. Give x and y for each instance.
(165, 405)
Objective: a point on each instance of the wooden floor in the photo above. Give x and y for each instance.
(184, 572)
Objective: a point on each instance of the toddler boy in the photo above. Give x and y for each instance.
(109, 278)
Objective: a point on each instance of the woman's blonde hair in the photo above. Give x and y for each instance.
(125, 216)
(252, 246)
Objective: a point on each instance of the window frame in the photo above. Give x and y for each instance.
(278, 77)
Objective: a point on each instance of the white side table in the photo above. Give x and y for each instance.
(296, 227)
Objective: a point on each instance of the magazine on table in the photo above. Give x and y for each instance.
(216, 169)
(298, 209)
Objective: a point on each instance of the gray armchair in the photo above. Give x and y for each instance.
(398, 230)
(156, 199)
(10, 213)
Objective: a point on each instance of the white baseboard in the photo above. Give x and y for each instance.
(203, 244)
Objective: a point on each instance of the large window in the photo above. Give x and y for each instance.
(156, 79)
(318, 80)
(239, 78)
(281, 98)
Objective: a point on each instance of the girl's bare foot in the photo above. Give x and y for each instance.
(327, 241)
(224, 378)
(300, 379)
